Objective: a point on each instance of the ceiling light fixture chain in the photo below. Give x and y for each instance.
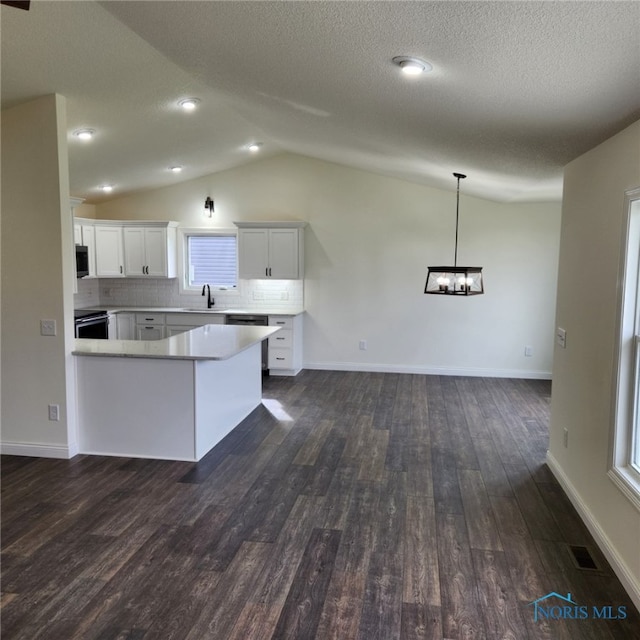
(459, 176)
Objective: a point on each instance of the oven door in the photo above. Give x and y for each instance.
(96, 327)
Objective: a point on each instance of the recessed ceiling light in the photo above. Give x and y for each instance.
(254, 147)
(175, 169)
(189, 104)
(412, 66)
(84, 134)
(107, 188)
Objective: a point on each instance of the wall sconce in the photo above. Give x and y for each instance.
(208, 205)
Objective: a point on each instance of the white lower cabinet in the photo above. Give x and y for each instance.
(156, 326)
(285, 346)
(150, 326)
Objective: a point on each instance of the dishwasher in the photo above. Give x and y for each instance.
(254, 321)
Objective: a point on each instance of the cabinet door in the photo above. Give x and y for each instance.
(253, 249)
(155, 244)
(134, 252)
(149, 332)
(77, 234)
(283, 253)
(112, 329)
(109, 252)
(125, 326)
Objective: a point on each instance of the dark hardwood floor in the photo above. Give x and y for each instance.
(361, 506)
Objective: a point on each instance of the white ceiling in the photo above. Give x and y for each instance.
(518, 88)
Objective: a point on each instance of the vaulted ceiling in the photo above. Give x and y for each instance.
(517, 90)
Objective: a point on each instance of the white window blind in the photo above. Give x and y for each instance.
(213, 260)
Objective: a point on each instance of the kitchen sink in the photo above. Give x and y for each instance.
(202, 310)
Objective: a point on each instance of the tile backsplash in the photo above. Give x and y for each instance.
(151, 292)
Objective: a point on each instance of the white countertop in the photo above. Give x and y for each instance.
(261, 311)
(211, 342)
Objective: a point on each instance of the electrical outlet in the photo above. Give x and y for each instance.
(565, 438)
(528, 351)
(47, 327)
(363, 345)
(54, 412)
(561, 337)
(284, 295)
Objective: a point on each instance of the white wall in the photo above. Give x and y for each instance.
(37, 280)
(369, 242)
(592, 218)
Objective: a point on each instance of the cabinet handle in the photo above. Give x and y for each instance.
(266, 271)
(279, 338)
(147, 268)
(120, 268)
(280, 322)
(279, 358)
(149, 327)
(269, 271)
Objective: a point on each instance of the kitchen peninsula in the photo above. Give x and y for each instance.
(171, 399)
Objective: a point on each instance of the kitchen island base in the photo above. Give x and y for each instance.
(169, 409)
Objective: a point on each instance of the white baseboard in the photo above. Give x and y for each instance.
(36, 450)
(629, 582)
(438, 371)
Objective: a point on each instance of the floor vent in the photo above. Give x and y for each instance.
(582, 558)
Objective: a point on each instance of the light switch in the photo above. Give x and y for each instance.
(561, 337)
(47, 327)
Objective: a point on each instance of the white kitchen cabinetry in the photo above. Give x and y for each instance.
(285, 346)
(128, 248)
(150, 326)
(109, 251)
(126, 326)
(271, 250)
(150, 250)
(180, 322)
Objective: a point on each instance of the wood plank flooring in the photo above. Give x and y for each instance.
(362, 506)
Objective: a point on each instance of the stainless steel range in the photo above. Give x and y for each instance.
(91, 323)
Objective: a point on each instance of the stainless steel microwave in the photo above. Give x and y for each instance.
(82, 261)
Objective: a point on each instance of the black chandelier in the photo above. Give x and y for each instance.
(455, 280)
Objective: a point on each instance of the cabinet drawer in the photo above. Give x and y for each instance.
(149, 318)
(284, 338)
(286, 322)
(280, 359)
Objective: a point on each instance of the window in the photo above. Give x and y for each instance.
(209, 258)
(625, 449)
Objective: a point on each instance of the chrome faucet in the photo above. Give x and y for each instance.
(210, 300)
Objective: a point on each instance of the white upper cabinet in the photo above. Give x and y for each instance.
(271, 250)
(109, 251)
(150, 251)
(128, 248)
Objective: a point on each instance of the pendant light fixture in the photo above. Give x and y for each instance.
(455, 280)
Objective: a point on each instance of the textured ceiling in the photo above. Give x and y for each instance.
(518, 88)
